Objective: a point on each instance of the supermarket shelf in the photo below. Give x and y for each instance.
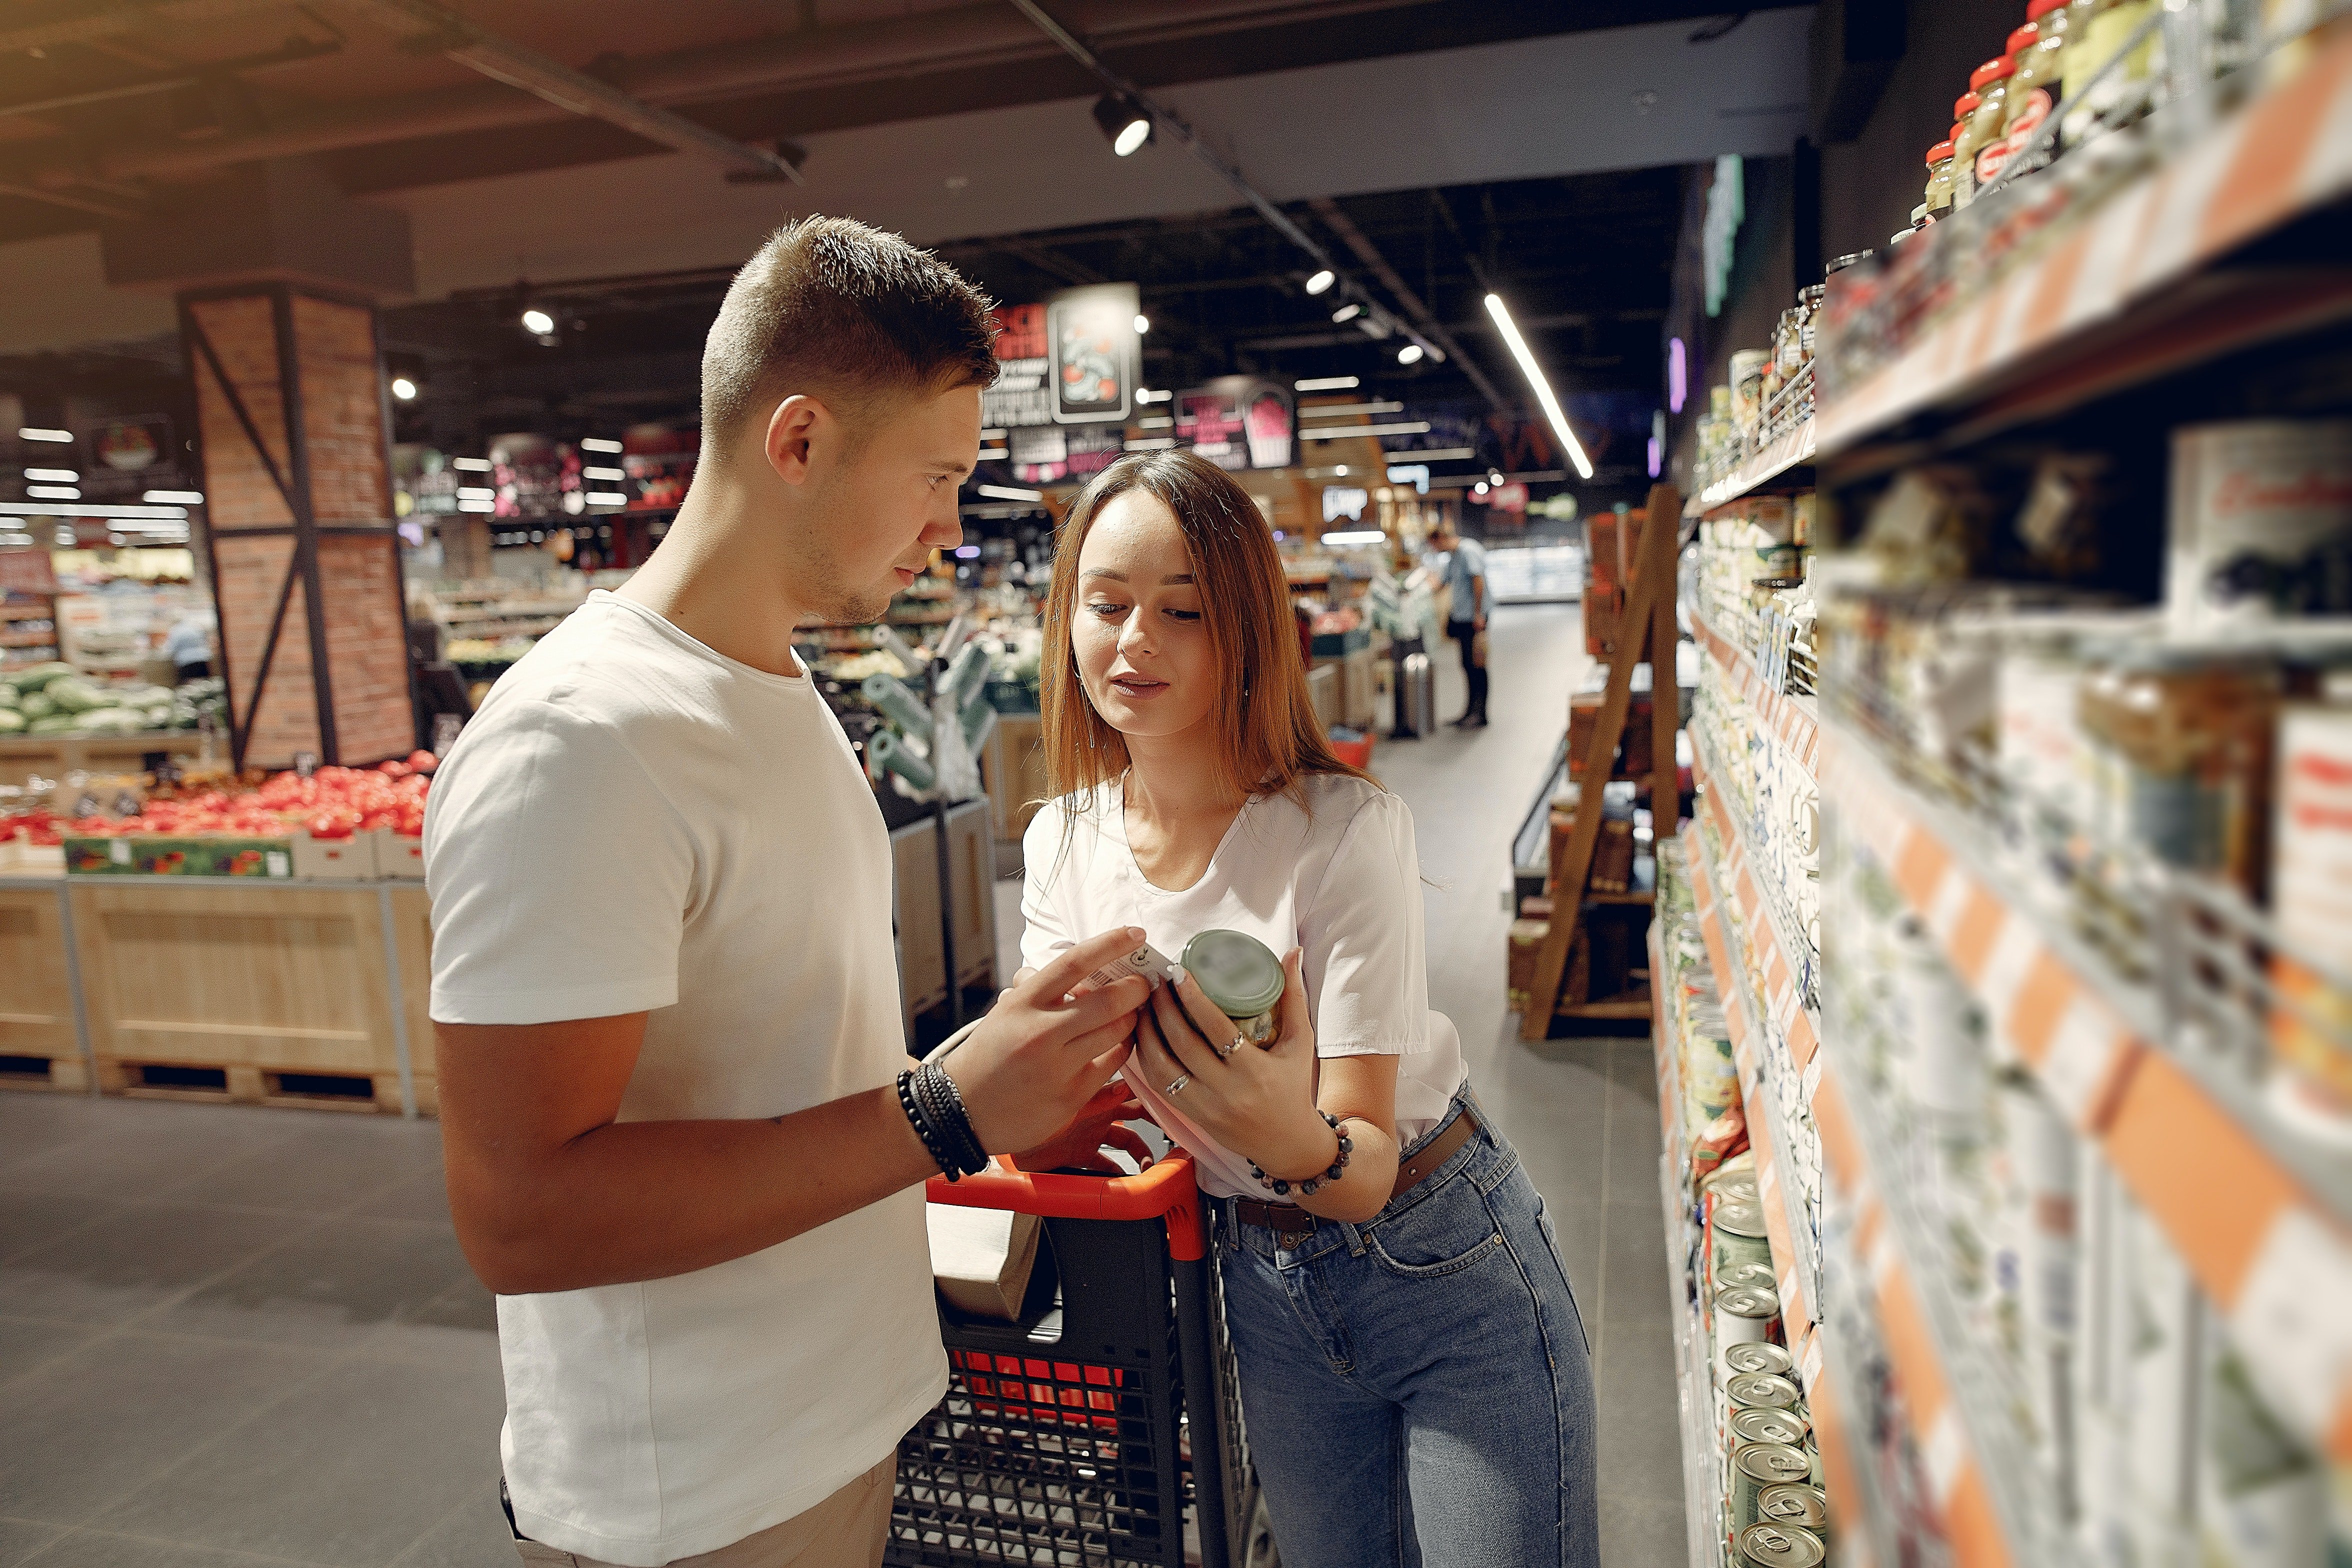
(1694, 1377)
(1795, 719)
(1778, 460)
(2116, 299)
(1796, 1268)
(1978, 1493)
(1782, 994)
(2263, 1223)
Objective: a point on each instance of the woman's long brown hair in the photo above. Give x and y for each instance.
(1267, 739)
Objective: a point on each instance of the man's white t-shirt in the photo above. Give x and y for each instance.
(1336, 877)
(634, 823)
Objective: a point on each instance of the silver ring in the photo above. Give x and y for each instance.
(1240, 1040)
(1174, 1089)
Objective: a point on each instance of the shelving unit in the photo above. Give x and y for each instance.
(1782, 463)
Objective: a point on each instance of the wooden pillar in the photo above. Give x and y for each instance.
(304, 555)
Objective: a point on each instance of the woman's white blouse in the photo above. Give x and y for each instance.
(1339, 880)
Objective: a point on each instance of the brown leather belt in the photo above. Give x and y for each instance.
(1289, 1219)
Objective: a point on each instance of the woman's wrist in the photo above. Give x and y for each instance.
(1317, 1154)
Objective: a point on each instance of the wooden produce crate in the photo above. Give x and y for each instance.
(38, 1045)
(1012, 766)
(222, 992)
(54, 756)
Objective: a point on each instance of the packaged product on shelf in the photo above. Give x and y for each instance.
(1742, 1360)
(1759, 1466)
(1788, 1428)
(2186, 737)
(1990, 82)
(1748, 368)
(2311, 904)
(1773, 1544)
(1744, 1313)
(2259, 521)
(2261, 1500)
(1736, 1226)
(1799, 1503)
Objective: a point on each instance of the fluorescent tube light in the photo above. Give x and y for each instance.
(53, 492)
(1329, 384)
(1006, 492)
(616, 475)
(1552, 410)
(1364, 536)
(53, 475)
(35, 433)
(1417, 427)
(599, 443)
(190, 497)
(471, 465)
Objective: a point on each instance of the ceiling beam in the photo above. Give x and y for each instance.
(116, 17)
(1338, 222)
(502, 59)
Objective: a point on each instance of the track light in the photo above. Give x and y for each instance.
(404, 389)
(538, 322)
(1409, 354)
(1347, 312)
(1526, 356)
(1142, 324)
(1321, 280)
(1127, 123)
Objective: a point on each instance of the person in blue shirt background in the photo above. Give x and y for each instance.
(1465, 578)
(189, 646)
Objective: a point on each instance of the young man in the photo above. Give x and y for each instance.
(664, 986)
(1466, 579)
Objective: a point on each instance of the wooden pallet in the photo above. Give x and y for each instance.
(218, 1084)
(44, 1074)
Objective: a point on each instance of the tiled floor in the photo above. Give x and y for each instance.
(232, 1336)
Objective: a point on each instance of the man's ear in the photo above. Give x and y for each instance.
(794, 427)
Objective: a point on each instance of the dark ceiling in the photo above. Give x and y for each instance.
(104, 104)
(1583, 263)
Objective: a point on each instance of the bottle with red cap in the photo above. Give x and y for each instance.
(2039, 50)
(1939, 180)
(1990, 82)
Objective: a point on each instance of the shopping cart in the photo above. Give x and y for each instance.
(1074, 1437)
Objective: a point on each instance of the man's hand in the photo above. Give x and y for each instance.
(1040, 1054)
(1081, 1144)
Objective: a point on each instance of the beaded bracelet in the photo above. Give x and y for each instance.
(956, 1119)
(923, 1129)
(1306, 1188)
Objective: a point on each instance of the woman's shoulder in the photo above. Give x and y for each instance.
(1088, 807)
(1332, 803)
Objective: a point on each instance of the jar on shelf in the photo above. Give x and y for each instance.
(2097, 32)
(2188, 734)
(1939, 178)
(1990, 82)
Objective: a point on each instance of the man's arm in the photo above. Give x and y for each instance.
(550, 1192)
(1478, 600)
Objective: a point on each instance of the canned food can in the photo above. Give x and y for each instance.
(1747, 1274)
(2256, 505)
(1799, 1503)
(1771, 1546)
(1747, 388)
(1762, 1391)
(1739, 1237)
(1758, 1467)
(1744, 1313)
(1785, 1427)
(1735, 1360)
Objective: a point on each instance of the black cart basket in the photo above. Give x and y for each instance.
(1102, 1428)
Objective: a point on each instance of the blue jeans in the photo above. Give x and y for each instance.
(1417, 1388)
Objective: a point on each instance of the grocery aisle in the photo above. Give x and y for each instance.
(1582, 1112)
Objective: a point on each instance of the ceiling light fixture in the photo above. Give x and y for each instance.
(54, 476)
(538, 322)
(1409, 354)
(1552, 410)
(1321, 280)
(187, 498)
(404, 389)
(1357, 536)
(599, 443)
(53, 492)
(1124, 121)
(1329, 384)
(1142, 324)
(1006, 492)
(35, 433)
(1347, 312)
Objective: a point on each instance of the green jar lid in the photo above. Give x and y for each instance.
(1239, 972)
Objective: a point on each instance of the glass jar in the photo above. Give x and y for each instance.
(2097, 31)
(1990, 82)
(2035, 90)
(1939, 179)
(2188, 737)
(1243, 977)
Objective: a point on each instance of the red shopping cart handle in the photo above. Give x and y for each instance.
(1166, 1192)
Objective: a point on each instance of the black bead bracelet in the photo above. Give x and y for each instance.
(1307, 1188)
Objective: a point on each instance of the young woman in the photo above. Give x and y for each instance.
(1413, 1370)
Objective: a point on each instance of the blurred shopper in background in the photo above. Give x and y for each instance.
(1465, 620)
